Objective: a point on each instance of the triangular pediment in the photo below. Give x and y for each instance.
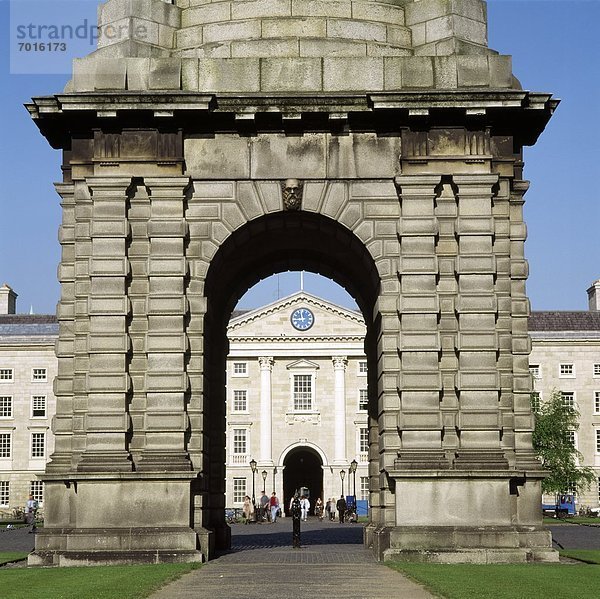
(275, 321)
(303, 364)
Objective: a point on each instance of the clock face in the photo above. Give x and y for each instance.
(302, 319)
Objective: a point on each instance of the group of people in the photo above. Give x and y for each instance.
(268, 509)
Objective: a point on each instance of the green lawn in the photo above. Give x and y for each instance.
(515, 581)
(12, 556)
(590, 556)
(573, 520)
(107, 582)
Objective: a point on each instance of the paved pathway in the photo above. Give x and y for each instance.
(332, 563)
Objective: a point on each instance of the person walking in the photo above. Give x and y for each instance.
(341, 508)
(31, 508)
(265, 512)
(274, 507)
(319, 509)
(247, 509)
(331, 504)
(305, 507)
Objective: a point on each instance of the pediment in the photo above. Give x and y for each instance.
(302, 364)
(274, 320)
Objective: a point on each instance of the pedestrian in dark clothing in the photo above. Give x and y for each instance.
(296, 510)
(341, 508)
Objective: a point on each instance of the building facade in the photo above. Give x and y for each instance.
(565, 357)
(27, 403)
(297, 399)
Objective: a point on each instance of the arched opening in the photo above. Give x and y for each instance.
(303, 469)
(275, 243)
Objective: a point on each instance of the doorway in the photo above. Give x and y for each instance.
(303, 469)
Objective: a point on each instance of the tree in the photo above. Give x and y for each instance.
(552, 440)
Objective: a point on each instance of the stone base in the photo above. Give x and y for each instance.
(113, 546)
(453, 544)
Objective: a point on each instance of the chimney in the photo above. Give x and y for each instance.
(594, 296)
(8, 300)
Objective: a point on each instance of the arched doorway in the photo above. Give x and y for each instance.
(264, 246)
(303, 469)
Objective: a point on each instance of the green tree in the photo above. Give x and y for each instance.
(554, 421)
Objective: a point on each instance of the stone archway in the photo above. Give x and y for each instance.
(409, 166)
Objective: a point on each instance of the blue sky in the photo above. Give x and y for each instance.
(555, 48)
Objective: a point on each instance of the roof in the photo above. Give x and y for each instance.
(565, 321)
(26, 325)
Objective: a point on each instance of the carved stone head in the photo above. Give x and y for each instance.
(292, 194)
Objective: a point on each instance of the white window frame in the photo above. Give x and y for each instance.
(572, 393)
(596, 370)
(4, 493)
(233, 401)
(38, 377)
(359, 368)
(597, 441)
(9, 436)
(539, 400)
(536, 371)
(36, 489)
(7, 375)
(32, 404)
(572, 438)
(364, 487)
(565, 366)
(238, 457)
(362, 450)
(243, 373)
(37, 450)
(312, 378)
(360, 392)
(10, 407)
(596, 402)
(235, 489)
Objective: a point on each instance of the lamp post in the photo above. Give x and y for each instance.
(353, 466)
(342, 475)
(274, 473)
(253, 467)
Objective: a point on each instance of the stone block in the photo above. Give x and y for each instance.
(392, 73)
(322, 8)
(255, 9)
(109, 74)
(220, 157)
(281, 157)
(294, 27)
(356, 30)
(377, 11)
(138, 73)
(316, 47)
(445, 72)
(400, 36)
(264, 47)
(417, 71)
(229, 74)
(215, 12)
(363, 155)
(189, 37)
(345, 74)
(234, 30)
(473, 71)
(427, 10)
(291, 74)
(500, 71)
(189, 74)
(165, 73)
(376, 49)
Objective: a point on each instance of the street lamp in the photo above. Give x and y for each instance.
(253, 467)
(342, 475)
(264, 477)
(353, 466)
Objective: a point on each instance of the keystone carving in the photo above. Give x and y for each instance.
(292, 194)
